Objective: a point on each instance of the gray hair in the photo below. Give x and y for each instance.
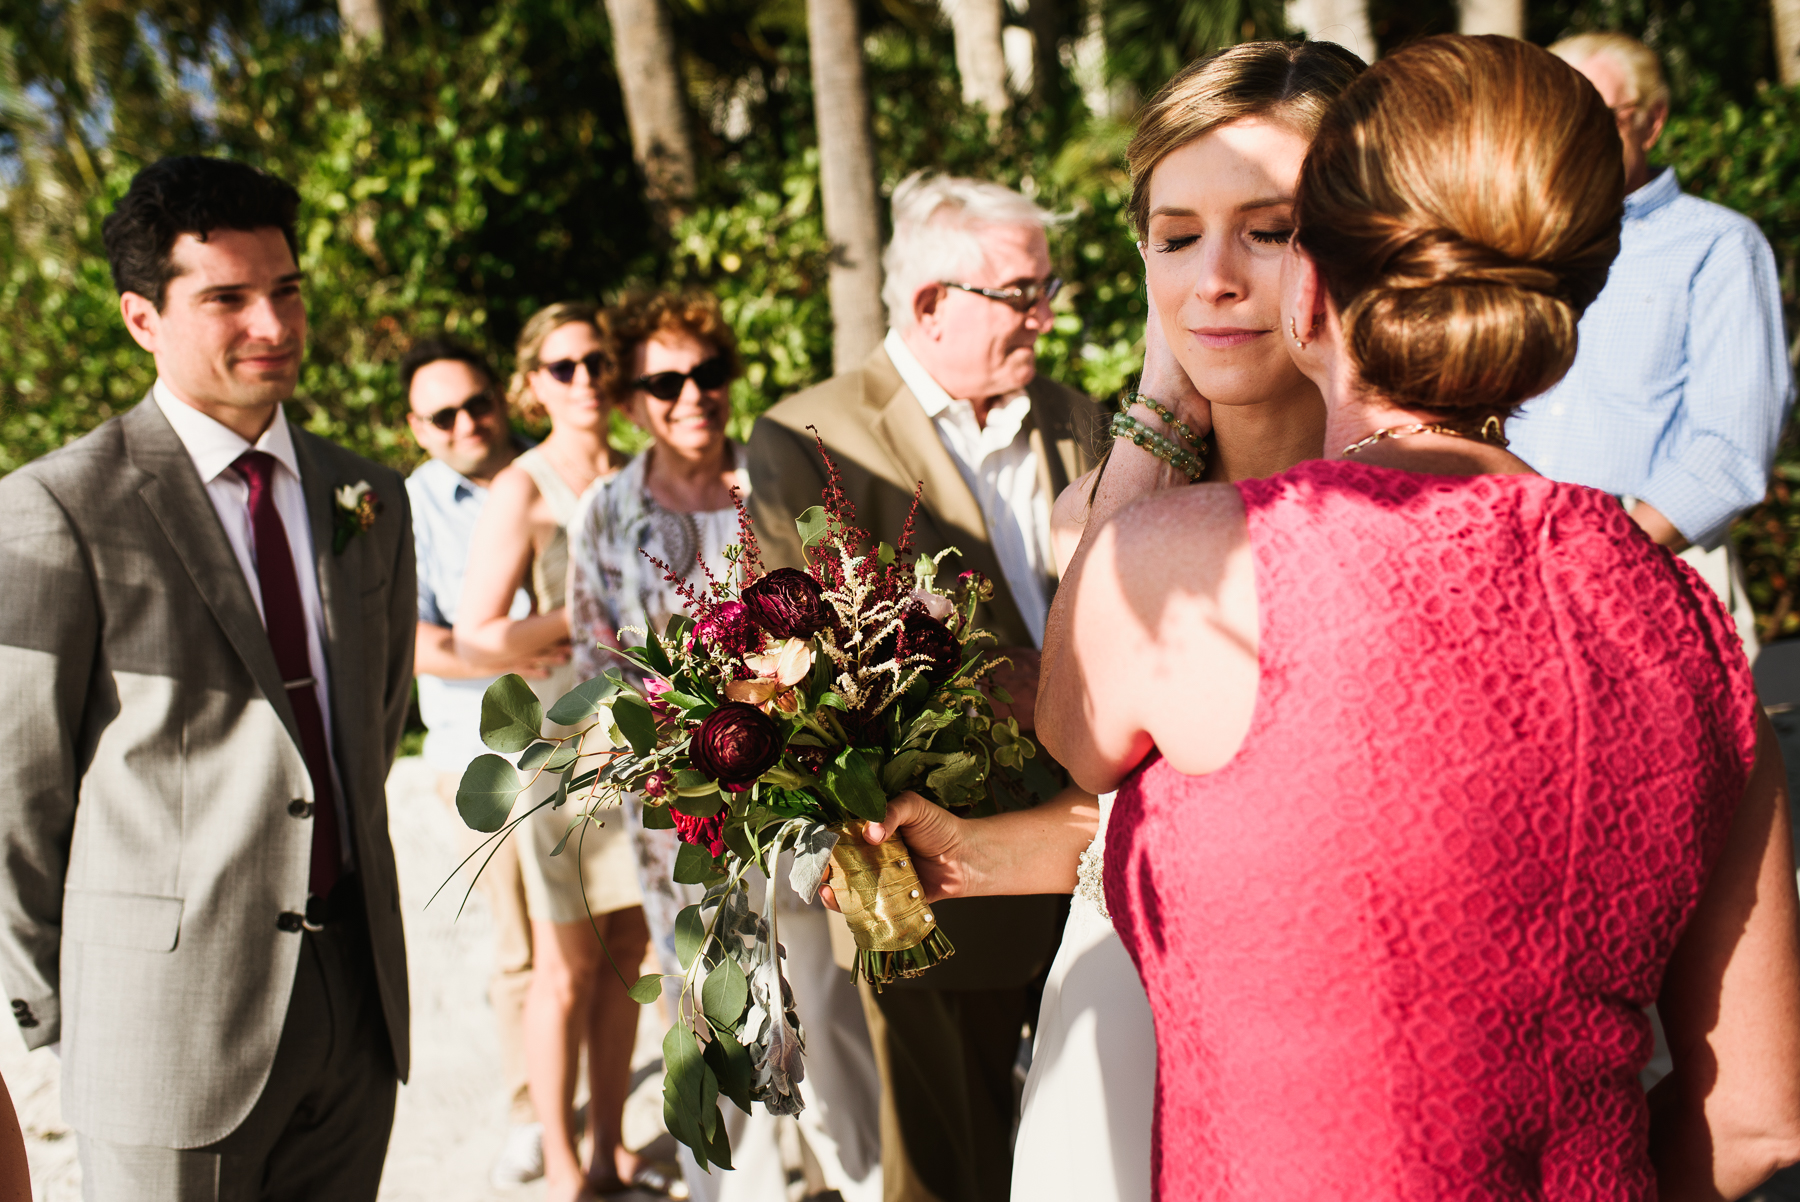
(1641, 66)
(938, 223)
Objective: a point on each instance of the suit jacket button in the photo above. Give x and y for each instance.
(300, 809)
(289, 922)
(22, 1013)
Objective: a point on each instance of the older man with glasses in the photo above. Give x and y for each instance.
(459, 419)
(951, 399)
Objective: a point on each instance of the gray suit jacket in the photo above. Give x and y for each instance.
(884, 445)
(148, 761)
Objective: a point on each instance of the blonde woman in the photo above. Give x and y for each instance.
(566, 364)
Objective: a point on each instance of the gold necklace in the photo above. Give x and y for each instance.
(1489, 433)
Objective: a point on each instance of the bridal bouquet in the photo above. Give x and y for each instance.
(777, 715)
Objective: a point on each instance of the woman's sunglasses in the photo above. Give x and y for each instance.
(477, 407)
(563, 370)
(667, 385)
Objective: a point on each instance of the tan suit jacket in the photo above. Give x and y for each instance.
(149, 766)
(884, 445)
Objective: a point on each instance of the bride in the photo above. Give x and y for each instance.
(1214, 164)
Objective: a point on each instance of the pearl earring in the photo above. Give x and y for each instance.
(1295, 331)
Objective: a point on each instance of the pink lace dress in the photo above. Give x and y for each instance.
(1400, 946)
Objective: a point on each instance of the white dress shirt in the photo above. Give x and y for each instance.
(214, 448)
(1002, 470)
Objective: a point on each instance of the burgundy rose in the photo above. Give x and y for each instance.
(730, 628)
(659, 783)
(736, 744)
(788, 603)
(707, 832)
(923, 635)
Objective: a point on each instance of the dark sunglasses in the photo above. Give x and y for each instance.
(667, 385)
(477, 407)
(1022, 297)
(563, 370)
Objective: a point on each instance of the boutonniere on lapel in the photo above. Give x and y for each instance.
(357, 507)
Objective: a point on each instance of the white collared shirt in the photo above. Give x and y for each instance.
(1002, 470)
(214, 448)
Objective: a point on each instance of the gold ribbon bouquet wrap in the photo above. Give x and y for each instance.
(884, 906)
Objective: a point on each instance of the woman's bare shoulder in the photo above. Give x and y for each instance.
(1199, 523)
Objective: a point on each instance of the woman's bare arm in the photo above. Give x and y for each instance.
(1729, 1115)
(500, 554)
(1027, 851)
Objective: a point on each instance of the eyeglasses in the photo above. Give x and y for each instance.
(477, 407)
(707, 375)
(1021, 297)
(563, 370)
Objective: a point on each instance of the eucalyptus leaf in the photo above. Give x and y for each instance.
(646, 989)
(812, 526)
(956, 777)
(724, 994)
(564, 841)
(658, 818)
(718, 1144)
(700, 805)
(512, 718)
(635, 722)
(582, 701)
(486, 794)
(535, 756)
(852, 782)
(731, 1064)
(561, 758)
(693, 865)
(690, 932)
(686, 702)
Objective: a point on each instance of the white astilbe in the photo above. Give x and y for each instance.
(867, 687)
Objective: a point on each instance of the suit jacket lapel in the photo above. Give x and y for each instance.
(913, 441)
(177, 499)
(339, 595)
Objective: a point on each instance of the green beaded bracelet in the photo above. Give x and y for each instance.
(1197, 441)
(1158, 444)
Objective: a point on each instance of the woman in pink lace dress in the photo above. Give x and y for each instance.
(1433, 774)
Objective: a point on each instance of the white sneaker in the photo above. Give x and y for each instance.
(521, 1158)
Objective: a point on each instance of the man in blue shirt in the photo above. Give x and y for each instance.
(459, 418)
(1682, 384)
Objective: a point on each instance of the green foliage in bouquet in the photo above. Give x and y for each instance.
(777, 715)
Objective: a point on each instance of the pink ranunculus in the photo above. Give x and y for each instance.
(935, 604)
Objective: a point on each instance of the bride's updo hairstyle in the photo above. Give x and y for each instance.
(1290, 82)
(1462, 203)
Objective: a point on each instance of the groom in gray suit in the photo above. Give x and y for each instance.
(206, 635)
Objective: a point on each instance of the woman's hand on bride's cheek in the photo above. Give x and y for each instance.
(1167, 381)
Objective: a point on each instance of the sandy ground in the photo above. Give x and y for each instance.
(451, 1118)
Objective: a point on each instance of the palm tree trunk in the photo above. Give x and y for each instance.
(644, 53)
(1345, 22)
(980, 57)
(1506, 17)
(362, 23)
(846, 180)
(1787, 39)
(1046, 44)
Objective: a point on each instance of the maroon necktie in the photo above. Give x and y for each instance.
(285, 619)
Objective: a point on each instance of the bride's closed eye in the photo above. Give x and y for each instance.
(1271, 237)
(1174, 244)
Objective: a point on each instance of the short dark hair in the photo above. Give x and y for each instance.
(189, 194)
(435, 350)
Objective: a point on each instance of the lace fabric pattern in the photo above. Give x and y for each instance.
(1399, 947)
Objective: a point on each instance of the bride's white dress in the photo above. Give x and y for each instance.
(1085, 1130)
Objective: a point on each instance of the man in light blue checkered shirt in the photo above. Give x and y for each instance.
(1681, 384)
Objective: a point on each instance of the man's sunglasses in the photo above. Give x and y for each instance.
(563, 370)
(477, 407)
(667, 385)
(1021, 297)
